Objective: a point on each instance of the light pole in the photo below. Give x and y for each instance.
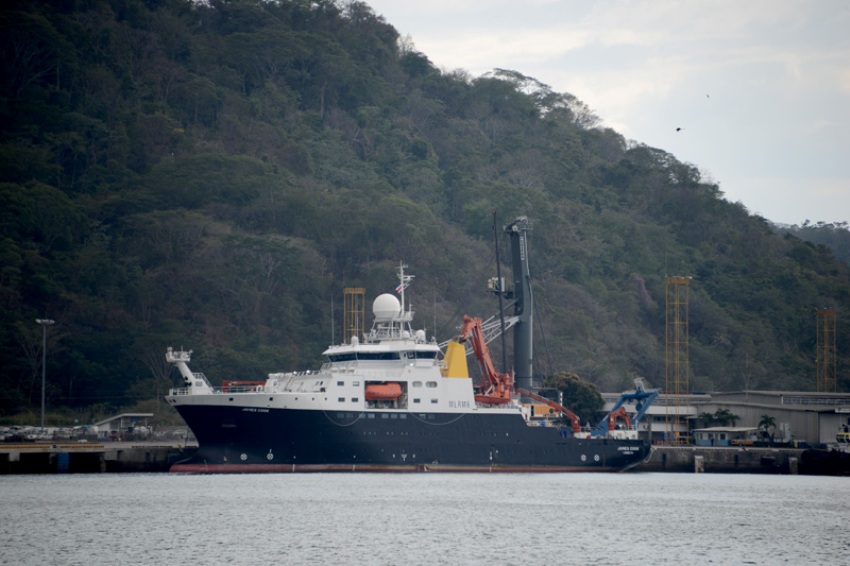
(44, 322)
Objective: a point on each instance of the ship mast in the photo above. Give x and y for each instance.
(404, 282)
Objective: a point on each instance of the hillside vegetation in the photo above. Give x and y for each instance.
(213, 174)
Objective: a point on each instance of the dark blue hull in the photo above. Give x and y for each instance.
(236, 439)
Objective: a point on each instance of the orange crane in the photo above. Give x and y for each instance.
(576, 422)
(497, 388)
(620, 412)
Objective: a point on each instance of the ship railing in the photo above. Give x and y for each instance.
(196, 376)
(239, 389)
(176, 392)
(201, 377)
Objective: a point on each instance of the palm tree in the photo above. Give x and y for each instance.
(725, 417)
(765, 425)
(706, 418)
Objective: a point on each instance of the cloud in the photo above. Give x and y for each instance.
(843, 79)
(776, 123)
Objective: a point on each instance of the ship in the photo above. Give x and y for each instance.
(392, 400)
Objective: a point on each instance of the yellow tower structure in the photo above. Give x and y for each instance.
(825, 356)
(353, 313)
(676, 346)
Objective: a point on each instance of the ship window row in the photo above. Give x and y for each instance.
(422, 355)
(382, 356)
(401, 416)
(430, 384)
(394, 416)
(359, 416)
(349, 356)
(353, 399)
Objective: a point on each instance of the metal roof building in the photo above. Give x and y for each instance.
(799, 416)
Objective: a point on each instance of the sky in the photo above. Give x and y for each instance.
(759, 89)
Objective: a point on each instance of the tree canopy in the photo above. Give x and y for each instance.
(213, 174)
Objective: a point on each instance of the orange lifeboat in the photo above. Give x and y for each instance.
(383, 391)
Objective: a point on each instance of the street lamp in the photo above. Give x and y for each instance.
(44, 322)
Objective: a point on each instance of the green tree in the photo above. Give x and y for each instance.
(579, 396)
(720, 417)
(725, 417)
(766, 426)
(212, 173)
(706, 418)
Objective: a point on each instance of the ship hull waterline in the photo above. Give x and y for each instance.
(234, 439)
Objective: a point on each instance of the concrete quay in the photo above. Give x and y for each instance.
(157, 456)
(90, 457)
(725, 460)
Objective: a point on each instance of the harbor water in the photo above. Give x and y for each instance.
(413, 519)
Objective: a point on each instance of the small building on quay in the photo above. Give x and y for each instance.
(723, 435)
(126, 426)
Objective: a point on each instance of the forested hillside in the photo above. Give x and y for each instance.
(834, 235)
(213, 174)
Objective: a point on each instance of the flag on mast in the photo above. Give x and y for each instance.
(404, 280)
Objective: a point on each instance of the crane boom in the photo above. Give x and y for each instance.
(497, 388)
(490, 330)
(576, 422)
(642, 397)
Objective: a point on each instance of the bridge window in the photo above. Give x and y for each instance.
(423, 355)
(381, 356)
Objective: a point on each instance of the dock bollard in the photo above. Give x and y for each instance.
(699, 466)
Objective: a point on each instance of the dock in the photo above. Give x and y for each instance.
(723, 460)
(91, 457)
(158, 456)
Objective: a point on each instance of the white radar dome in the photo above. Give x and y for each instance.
(386, 307)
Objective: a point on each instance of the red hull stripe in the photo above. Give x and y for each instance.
(307, 468)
